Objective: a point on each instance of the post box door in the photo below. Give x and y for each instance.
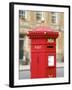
(38, 65)
(51, 65)
(34, 65)
(42, 65)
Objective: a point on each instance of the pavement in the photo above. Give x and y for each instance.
(24, 72)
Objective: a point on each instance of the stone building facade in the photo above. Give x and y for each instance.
(31, 19)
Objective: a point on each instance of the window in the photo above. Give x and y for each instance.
(53, 18)
(39, 16)
(22, 14)
(21, 45)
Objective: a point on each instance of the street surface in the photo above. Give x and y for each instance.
(25, 74)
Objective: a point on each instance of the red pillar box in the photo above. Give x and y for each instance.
(43, 52)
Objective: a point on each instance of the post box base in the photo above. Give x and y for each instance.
(51, 72)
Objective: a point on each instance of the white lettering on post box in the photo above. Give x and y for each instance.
(37, 46)
(50, 60)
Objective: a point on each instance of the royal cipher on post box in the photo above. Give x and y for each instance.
(43, 52)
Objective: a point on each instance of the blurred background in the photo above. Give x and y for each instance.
(31, 19)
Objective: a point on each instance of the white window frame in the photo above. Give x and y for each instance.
(41, 15)
(24, 14)
(56, 15)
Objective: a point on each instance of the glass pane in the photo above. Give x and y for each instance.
(53, 20)
(22, 14)
(21, 52)
(38, 15)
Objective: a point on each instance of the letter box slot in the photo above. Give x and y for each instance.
(49, 46)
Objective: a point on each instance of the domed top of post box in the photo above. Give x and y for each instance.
(43, 32)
